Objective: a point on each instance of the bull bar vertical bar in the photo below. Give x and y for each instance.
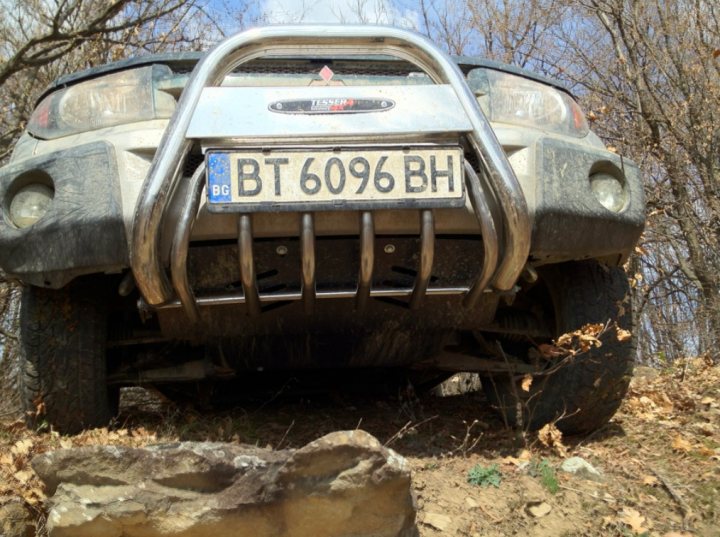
(367, 259)
(248, 277)
(326, 40)
(307, 260)
(181, 243)
(427, 257)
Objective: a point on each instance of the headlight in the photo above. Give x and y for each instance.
(29, 204)
(507, 98)
(114, 99)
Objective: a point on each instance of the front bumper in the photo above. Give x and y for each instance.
(83, 231)
(569, 222)
(533, 186)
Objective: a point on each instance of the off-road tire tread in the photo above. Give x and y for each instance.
(62, 348)
(591, 388)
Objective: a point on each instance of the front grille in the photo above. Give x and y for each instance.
(340, 68)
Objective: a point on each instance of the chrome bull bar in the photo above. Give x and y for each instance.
(506, 251)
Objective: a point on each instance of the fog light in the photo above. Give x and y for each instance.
(30, 204)
(609, 191)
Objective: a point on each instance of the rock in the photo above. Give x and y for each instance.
(437, 521)
(15, 519)
(581, 468)
(538, 509)
(343, 484)
(471, 504)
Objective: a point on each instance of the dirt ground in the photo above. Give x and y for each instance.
(659, 458)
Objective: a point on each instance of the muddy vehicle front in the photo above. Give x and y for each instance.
(317, 197)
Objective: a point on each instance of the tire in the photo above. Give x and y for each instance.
(584, 394)
(63, 357)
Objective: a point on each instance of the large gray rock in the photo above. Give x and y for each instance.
(343, 484)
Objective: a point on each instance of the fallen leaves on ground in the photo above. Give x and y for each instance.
(551, 437)
(681, 444)
(650, 480)
(632, 518)
(17, 477)
(665, 436)
(520, 461)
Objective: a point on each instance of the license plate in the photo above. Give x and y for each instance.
(277, 180)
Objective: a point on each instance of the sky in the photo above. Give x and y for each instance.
(346, 11)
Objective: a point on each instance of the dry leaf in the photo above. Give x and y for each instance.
(566, 339)
(707, 400)
(647, 498)
(594, 329)
(630, 517)
(23, 476)
(39, 408)
(16, 426)
(588, 341)
(681, 444)
(646, 401)
(706, 451)
(550, 436)
(623, 335)
(522, 459)
(716, 53)
(583, 339)
(526, 382)
(34, 495)
(22, 447)
(650, 480)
